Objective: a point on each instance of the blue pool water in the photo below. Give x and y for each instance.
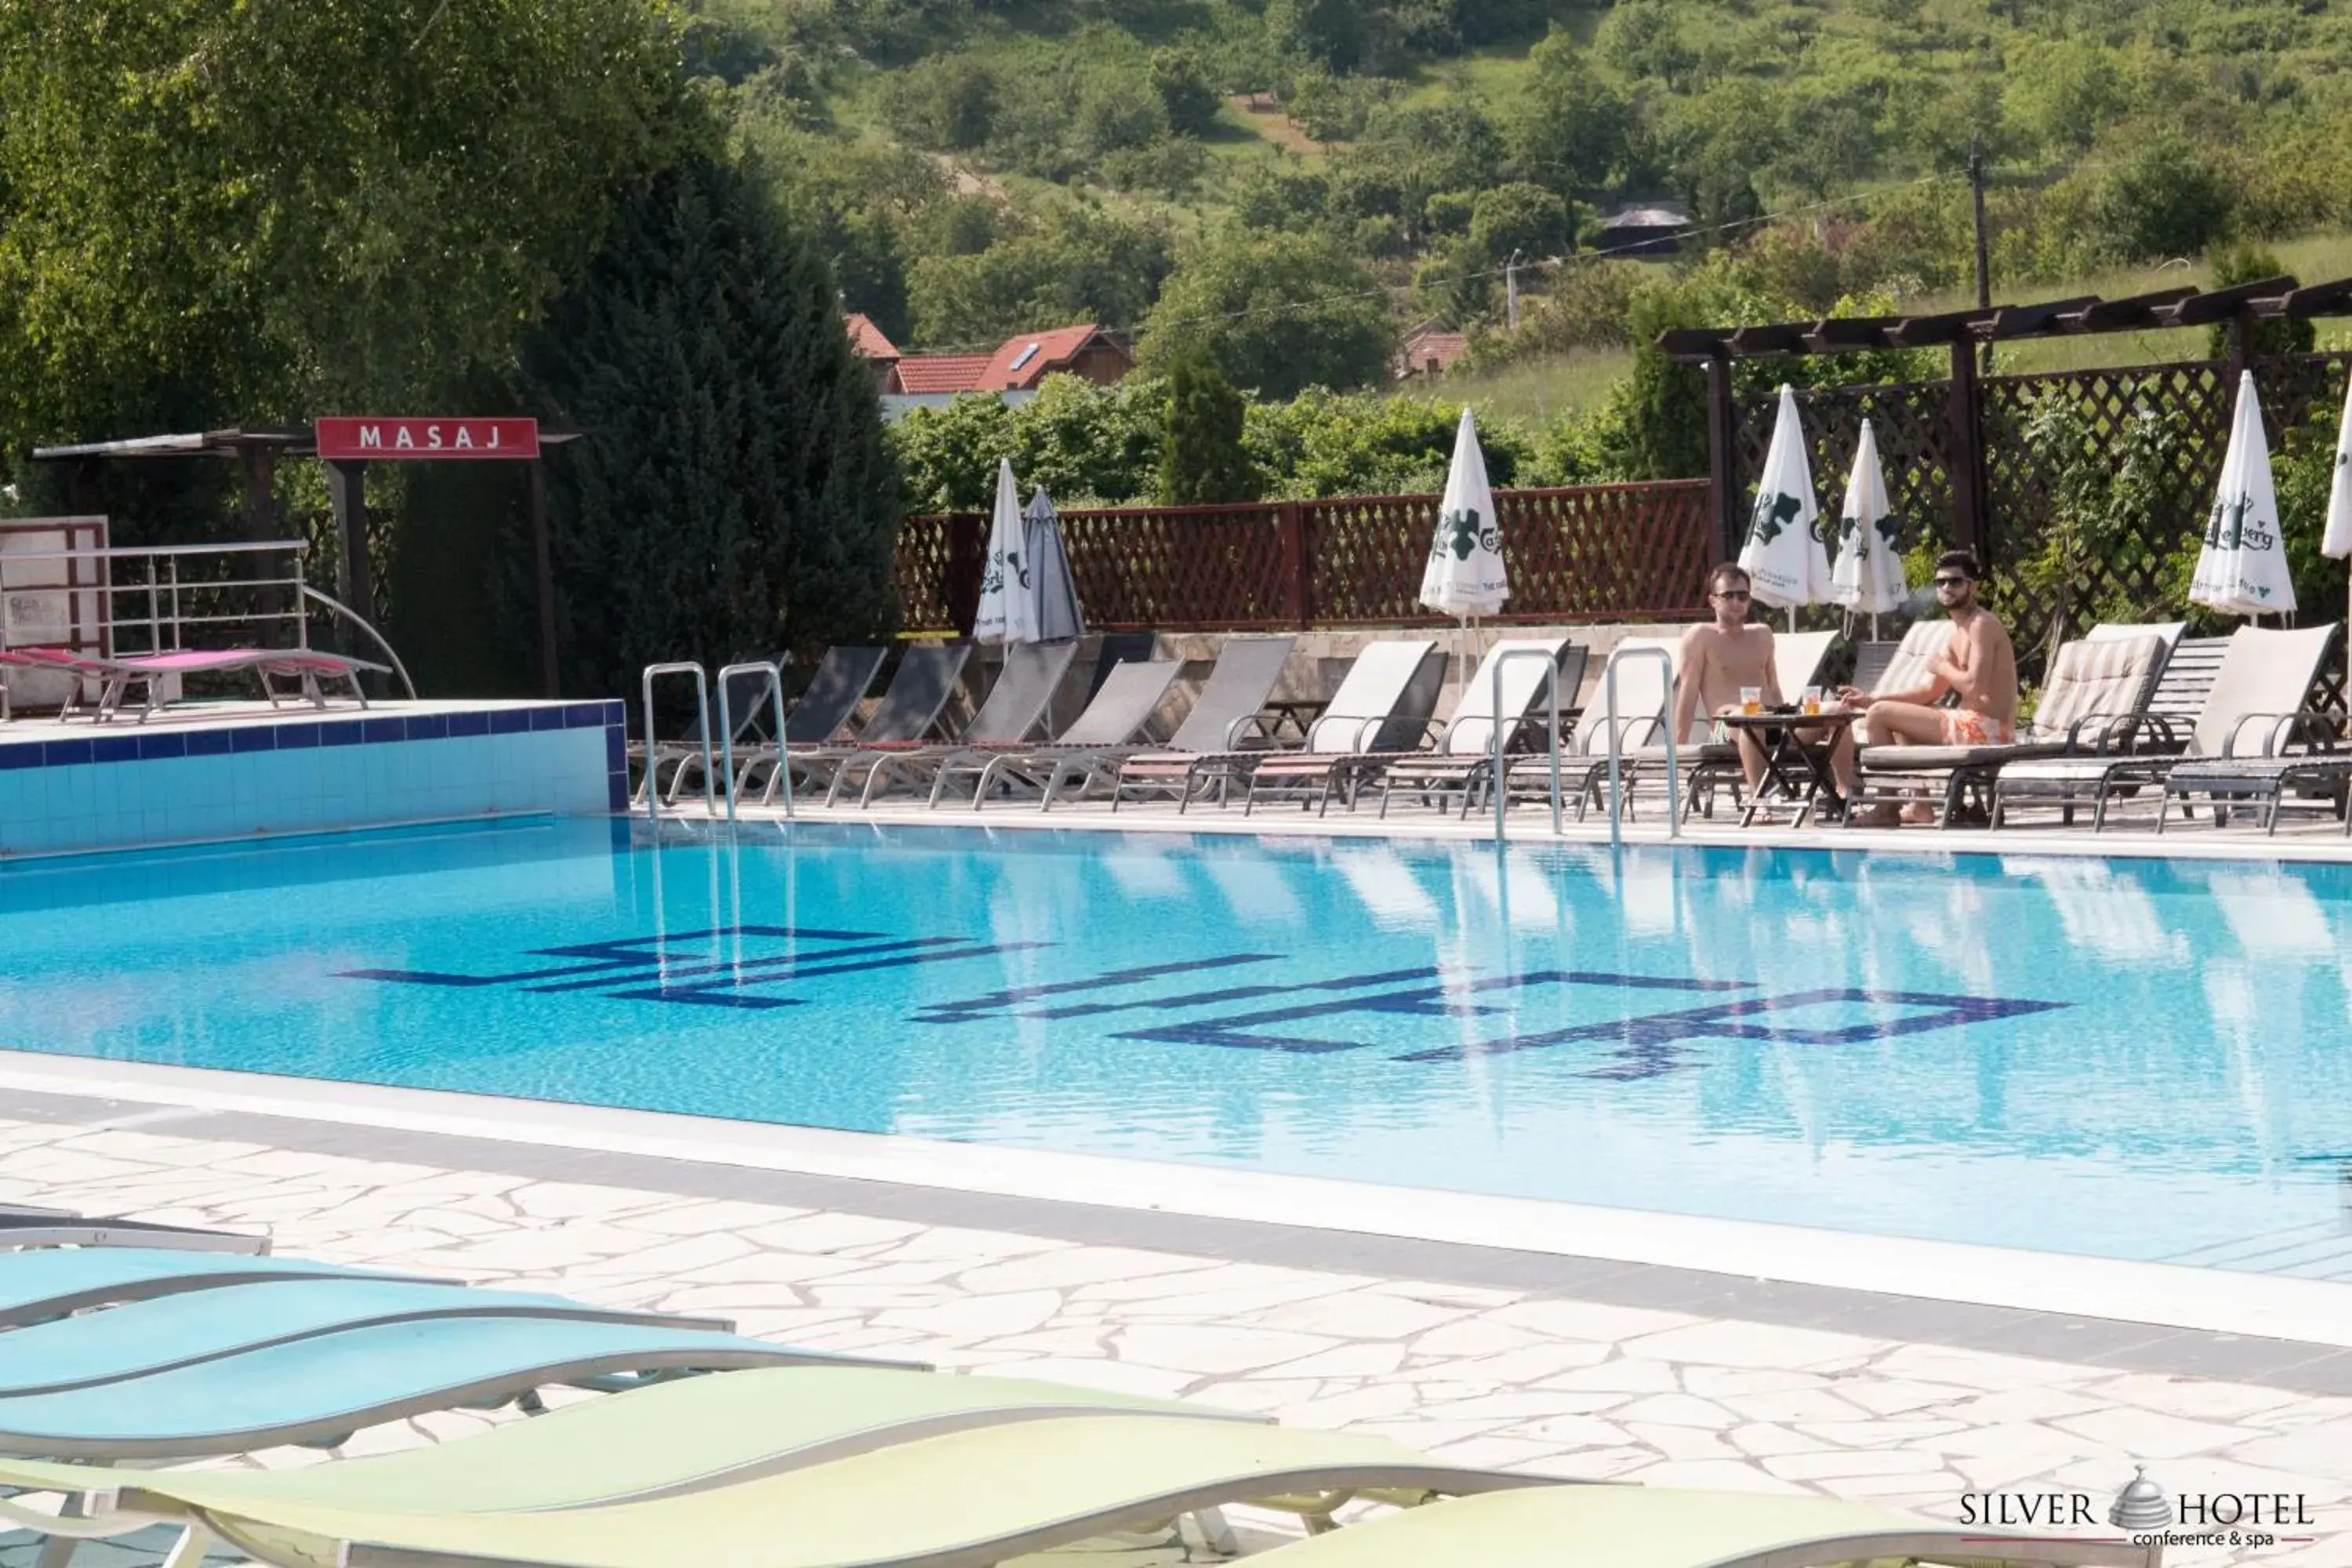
(2132, 1059)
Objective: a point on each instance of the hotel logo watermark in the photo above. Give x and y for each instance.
(2148, 1515)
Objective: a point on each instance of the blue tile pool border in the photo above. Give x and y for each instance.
(109, 743)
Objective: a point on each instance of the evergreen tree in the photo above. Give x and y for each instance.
(730, 495)
(1201, 455)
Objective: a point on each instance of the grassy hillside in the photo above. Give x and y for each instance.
(977, 167)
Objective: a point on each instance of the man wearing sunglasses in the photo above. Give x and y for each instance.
(1978, 664)
(1718, 658)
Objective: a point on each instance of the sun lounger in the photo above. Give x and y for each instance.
(2265, 675)
(118, 674)
(1378, 681)
(36, 1285)
(969, 1498)
(1232, 703)
(138, 1339)
(317, 1390)
(1461, 758)
(24, 1227)
(1009, 719)
(1645, 704)
(928, 675)
(1647, 1527)
(2301, 753)
(821, 716)
(1117, 713)
(665, 1440)
(1381, 708)
(2089, 702)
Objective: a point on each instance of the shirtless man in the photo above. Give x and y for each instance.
(1979, 663)
(1717, 659)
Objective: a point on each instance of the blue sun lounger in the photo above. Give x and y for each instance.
(148, 1337)
(28, 1224)
(319, 1390)
(36, 1286)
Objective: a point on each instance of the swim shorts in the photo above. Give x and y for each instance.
(1967, 727)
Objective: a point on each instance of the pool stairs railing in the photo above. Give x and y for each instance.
(701, 733)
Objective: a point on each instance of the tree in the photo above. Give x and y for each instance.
(225, 212)
(1069, 264)
(1200, 455)
(734, 495)
(2163, 198)
(1185, 91)
(1569, 127)
(1279, 312)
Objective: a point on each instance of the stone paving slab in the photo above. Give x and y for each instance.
(1528, 1379)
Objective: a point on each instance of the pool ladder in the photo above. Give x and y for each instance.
(771, 689)
(1616, 739)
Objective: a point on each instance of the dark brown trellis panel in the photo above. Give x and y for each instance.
(1915, 442)
(1588, 552)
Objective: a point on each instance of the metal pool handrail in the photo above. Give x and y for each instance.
(1616, 742)
(1551, 691)
(702, 717)
(773, 676)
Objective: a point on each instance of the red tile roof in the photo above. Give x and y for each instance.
(1022, 362)
(867, 339)
(1430, 349)
(918, 373)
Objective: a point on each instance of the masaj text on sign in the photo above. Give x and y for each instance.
(418, 440)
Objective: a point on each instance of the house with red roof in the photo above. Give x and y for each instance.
(869, 342)
(1013, 371)
(1429, 350)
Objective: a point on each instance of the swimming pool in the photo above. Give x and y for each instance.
(2131, 1058)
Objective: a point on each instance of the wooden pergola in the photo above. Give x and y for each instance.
(2239, 308)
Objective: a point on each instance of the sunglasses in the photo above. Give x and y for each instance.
(1951, 581)
(1732, 594)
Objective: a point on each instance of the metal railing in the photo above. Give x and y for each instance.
(772, 675)
(1617, 743)
(1501, 780)
(167, 598)
(702, 731)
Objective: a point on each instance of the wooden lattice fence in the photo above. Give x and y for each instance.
(1919, 445)
(1591, 552)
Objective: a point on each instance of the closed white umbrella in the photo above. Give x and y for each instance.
(1054, 613)
(2241, 568)
(1007, 612)
(2337, 542)
(1868, 579)
(1787, 563)
(1465, 577)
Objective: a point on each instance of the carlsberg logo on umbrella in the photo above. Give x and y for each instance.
(2242, 567)
(1869, 577)
(1786, 559)
(1465, 577)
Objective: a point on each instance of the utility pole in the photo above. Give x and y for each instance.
(1511, 291)
(1984, 271)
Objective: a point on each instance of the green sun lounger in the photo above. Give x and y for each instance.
(1639, 1527)
(141, 1338)
(661, 1441)
(318, 1390)
(38, 1285)
(32, 1224)
(966, 1498)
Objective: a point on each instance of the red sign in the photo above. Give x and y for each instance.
(395, 440)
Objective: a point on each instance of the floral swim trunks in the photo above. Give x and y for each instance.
(1967, 727)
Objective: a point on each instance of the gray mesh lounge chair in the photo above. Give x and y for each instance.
(1232, 703)
(821, 714)
(2264, 677)
(1461, 759)
(2302, 753)
(1010, 718)
(2094, 689)
(918, 693)
(1129, 695)
(1383, 704)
